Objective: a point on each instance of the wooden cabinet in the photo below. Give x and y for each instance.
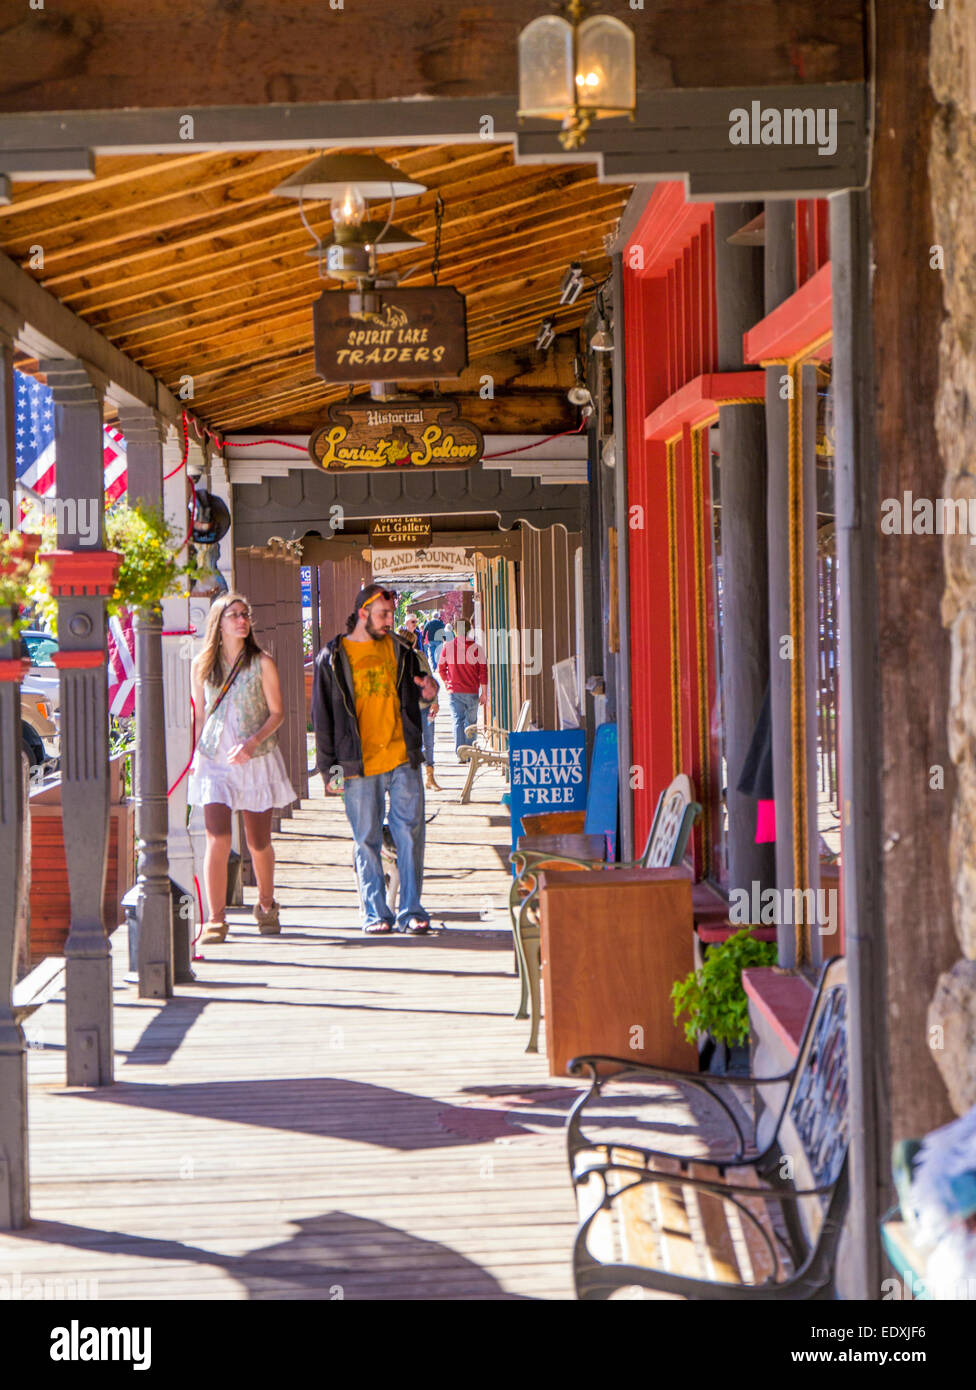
(613, 943)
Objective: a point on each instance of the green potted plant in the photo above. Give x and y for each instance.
(713, 997)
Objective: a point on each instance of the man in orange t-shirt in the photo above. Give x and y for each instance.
(367, 715)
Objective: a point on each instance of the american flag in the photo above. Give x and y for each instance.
(34, 413)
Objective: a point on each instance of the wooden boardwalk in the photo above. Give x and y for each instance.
(322, 1114)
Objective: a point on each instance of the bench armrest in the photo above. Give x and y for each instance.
(576, 1140)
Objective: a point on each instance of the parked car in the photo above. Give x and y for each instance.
(40, 732)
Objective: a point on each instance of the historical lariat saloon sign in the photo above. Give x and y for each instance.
(395, 532)
(363, 435)
(404, 335)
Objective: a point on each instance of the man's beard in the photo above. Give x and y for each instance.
(377, 633)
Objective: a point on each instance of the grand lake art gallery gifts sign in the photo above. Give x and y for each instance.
(547, 768)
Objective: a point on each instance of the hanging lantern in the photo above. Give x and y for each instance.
(576, 71)
(349, 180)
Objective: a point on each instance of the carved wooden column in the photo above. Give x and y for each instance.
(14, 1184)
(179, 648)
(83, 575)
(144, 434)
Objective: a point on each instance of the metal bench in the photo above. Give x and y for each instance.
(760, 1220)
(676, 813)
(488, 748)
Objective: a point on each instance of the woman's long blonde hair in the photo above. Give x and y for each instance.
(209, 664)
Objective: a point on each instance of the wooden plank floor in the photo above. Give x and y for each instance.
(321, 1114)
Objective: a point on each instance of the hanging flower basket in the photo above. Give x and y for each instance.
(150, 568)
(17, 562)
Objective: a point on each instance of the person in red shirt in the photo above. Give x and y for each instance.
(463, 670)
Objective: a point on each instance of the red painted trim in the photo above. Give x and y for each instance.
(667, 226)
(699, 400)
(78, 661)
(83, 572)
(782, 999)
(800, 320)
(14, 669)
(647, 366)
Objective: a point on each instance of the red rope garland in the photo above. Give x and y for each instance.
(193, 740)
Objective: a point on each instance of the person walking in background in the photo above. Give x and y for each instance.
(366, 712)
(428, 713)
(433, 638)
(237, 765)
(463, 670)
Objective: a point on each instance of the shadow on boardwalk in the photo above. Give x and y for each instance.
(333, 1256)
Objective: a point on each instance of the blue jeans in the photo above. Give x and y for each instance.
(428, 731)
(464, 711)
(365, 799)
(434, 650)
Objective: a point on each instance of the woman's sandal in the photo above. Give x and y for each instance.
(213, 933)
(268, 923)
(377, 928)
(418, 926)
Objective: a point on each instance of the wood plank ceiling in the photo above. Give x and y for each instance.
(187, 264)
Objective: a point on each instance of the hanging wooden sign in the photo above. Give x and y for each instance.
(395, 532)
(404, 335)
(363, 435)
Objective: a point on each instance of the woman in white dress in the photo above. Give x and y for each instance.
(237, 765)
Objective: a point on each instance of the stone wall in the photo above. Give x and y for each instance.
(952, 1012)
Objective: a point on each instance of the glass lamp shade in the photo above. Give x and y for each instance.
(605, 67)
(546, 86)
(348, 208)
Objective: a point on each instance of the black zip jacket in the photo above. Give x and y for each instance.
(337, 741)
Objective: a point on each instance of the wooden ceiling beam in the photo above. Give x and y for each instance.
(284, 211)
(75, 288)
(239, 184)
(233, 308)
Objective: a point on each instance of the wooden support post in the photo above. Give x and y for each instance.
(14, 1180)
(856, 505)
(780, 278)
(83, 575)
(739, 287)
(144, 433)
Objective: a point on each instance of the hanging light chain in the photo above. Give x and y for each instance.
(435, 265)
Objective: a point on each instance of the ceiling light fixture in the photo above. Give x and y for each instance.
(576, 71)
(572, 285)
(349, 181)
(602, 338)
(546, 335)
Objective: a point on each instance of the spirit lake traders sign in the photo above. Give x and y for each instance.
(363, 435)
(403, 335)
